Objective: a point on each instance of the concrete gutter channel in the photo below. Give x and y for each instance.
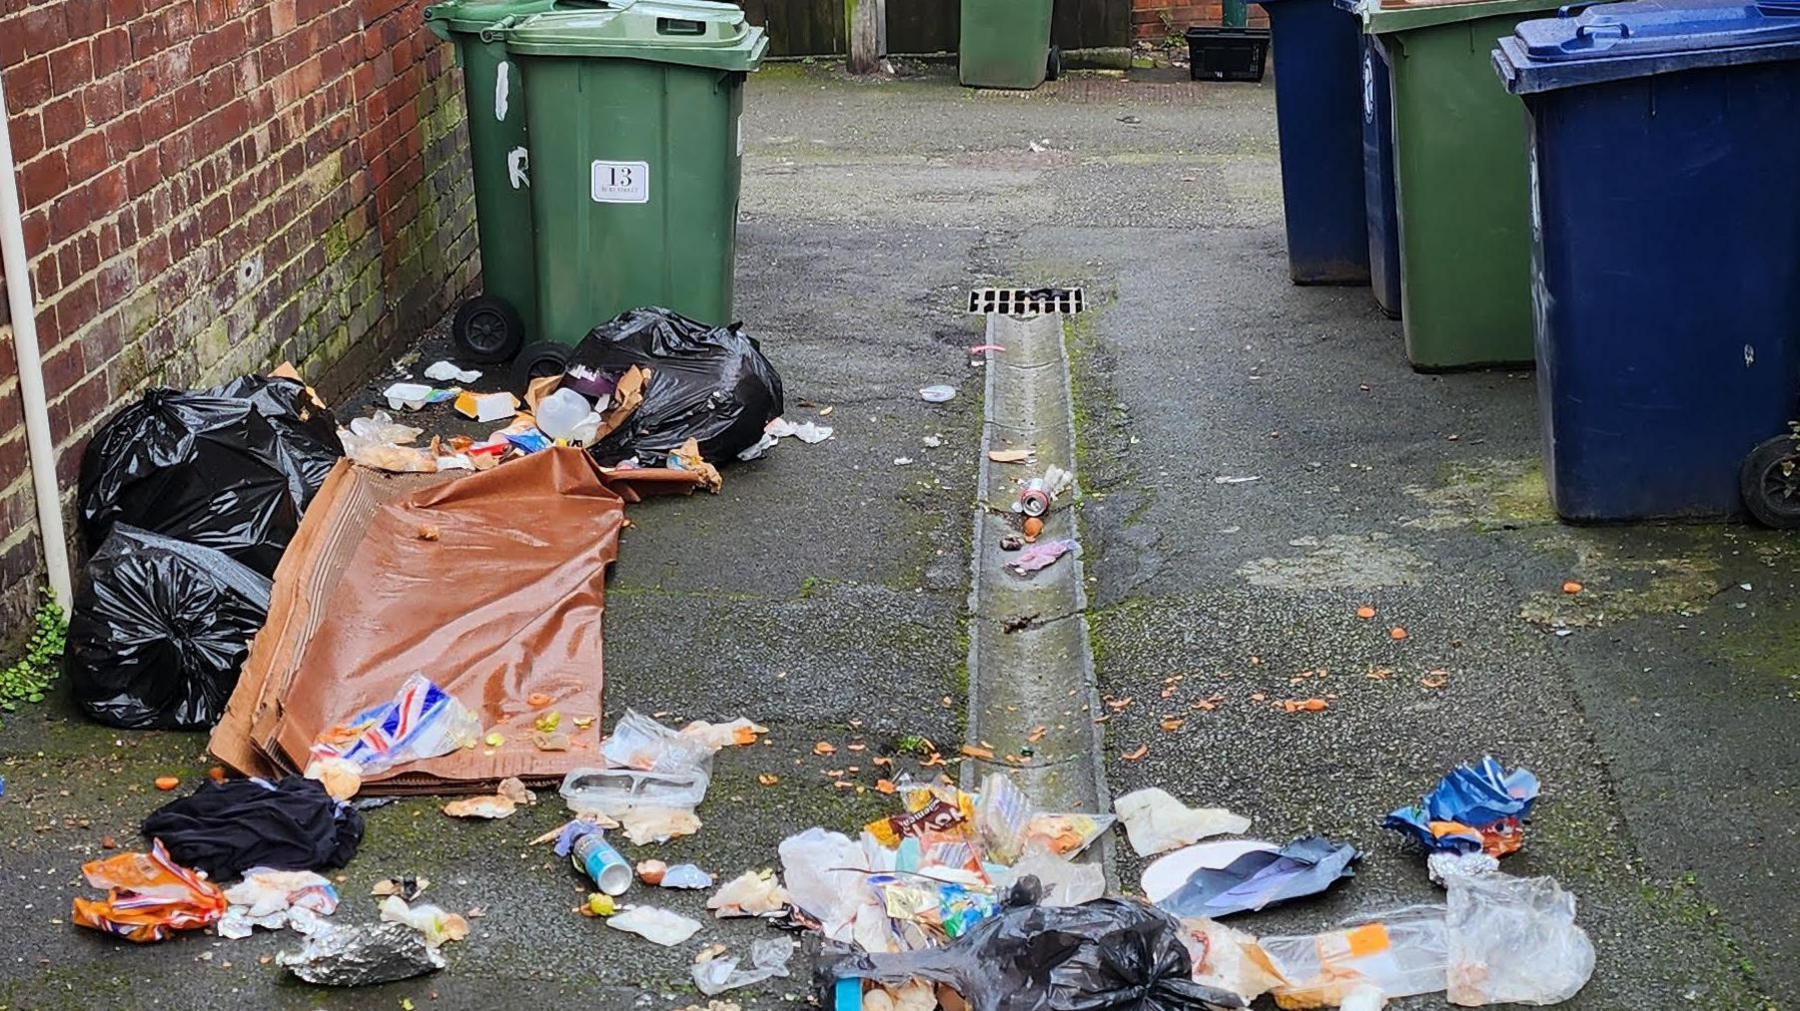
(1030, 665)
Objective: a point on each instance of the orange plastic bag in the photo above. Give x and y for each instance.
(149, 896)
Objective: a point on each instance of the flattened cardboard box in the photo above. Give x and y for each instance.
(491, 584)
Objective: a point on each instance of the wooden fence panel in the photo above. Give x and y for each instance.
(1091, 24)
(800, 27)
(922, 26)
(817, 28)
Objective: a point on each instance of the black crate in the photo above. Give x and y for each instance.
(1227, 54)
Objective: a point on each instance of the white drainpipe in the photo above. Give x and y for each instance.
(31, 372)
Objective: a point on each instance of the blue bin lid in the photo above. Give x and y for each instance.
(1639, 38)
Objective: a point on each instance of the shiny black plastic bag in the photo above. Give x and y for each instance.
(1104, 955)
(711, 384)
(231, 468)
(160, 630)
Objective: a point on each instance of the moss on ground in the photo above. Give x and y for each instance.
(1618, 587)
(1492, 494)
(1767, 648)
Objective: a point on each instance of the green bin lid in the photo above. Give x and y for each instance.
(692, 33)
(472, 16)
(1382, 16)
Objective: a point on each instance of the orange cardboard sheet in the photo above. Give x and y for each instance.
(491, 584)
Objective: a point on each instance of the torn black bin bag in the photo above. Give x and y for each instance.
(159, 631)
(1111, 954)
(228, 828)
(231, 468)
(711, 384)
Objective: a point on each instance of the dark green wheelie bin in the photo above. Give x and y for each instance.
(1006, 44)
(491, 326)
(636, 156)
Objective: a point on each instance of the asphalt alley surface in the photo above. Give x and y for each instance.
(823, 592)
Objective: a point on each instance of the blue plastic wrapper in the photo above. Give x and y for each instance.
(530, 441)
(1474, 807)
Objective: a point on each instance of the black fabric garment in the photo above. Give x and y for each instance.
(227, 828)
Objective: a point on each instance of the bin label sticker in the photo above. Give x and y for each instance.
(740, 128)
(621, 182)
(1368, 76)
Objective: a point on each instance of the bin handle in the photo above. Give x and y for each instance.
(1572, 9)
(1612, 30)
(496, 31)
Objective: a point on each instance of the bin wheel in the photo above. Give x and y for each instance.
(1053, 64)
(487, 329)
(1769, 481)
(543, 358)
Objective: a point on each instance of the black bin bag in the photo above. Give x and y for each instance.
(1104, 955)
(711, 384)
(160, 631)
(231, 468)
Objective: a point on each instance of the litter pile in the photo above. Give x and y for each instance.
(928, 874)
(902, 913)
(656, 398)
(354, 682)
(230, 533)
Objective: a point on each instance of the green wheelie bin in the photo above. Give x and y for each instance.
(1460, 175)
(492, 326)
(1006, 44)
(636, 156)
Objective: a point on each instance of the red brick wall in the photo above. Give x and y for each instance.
(216, 186)
(1156, 20)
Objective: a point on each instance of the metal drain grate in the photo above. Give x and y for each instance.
(1026, 301)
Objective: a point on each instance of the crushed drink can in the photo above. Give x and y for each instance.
(1034, 498)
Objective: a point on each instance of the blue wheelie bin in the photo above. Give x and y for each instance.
(1317, 98)
(1378, 179)
(1663, 153)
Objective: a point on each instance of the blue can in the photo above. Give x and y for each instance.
(1318, 118)
(1378, 178)
(1664, 147)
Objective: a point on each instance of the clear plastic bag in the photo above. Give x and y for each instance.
(381, 427)
(639, 742)
(1514, 941)
(1001, 816)
(1065, 834)
(1399, 953)
(768, 959)
(1065, 882)
(380, 442)
(826, 876)
(1228, 959)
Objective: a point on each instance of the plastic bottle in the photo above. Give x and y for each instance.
(596, 858)
(562, 412)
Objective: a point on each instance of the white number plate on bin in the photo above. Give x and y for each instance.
(621, 182)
